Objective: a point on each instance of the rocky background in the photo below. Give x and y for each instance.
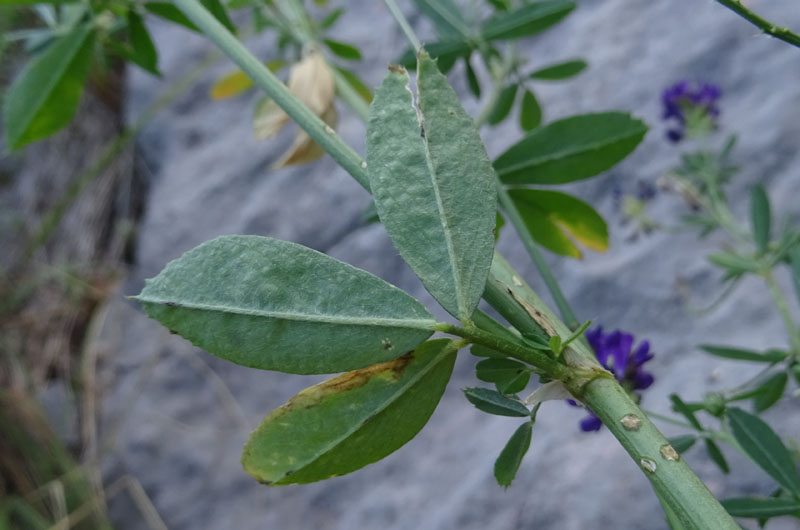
(175, 418)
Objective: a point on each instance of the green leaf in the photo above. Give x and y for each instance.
(509, 376)
(433, 185)
(772, 356)
(764, 447)
(531, 114)
(44, 96)
(275, 305)
(756, 507)
(553, 217)
(571, 149)
(493, 402)
(445, 16)
(507, 464)
(499, 4)
(734, 263)
(167, 11)
(559, 71)
(143, 51)
(526, 20)
(501, 222)
(350, 421)
(216, 8)
(716, 455)
(370, 214)
(683, 409)
(495, 370)
(683, 443)
(515, 384)
(472, 79)
(357, 84)
(760, 217)
(445, 52)
(343, 50)
(502, 107)
(770, 392)
(331, 18)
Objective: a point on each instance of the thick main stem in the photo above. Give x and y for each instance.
(672, 478)
(692, 501)
(508, 206)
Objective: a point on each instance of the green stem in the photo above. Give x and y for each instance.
(298, 25)
(402, 21)
(783, 308)
(351, 98)
(344, 155)
(667, 419)
(531, 356)
(486, 111)
(675, 481)
(508, 206)
(670, 475)
(765, 25)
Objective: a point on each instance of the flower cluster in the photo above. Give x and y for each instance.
(693, 106)
(615, 352)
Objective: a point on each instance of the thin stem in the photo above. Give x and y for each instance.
(486, 111)
(402, 21)
(351, 98)
(538, 259)
(667, 419)
(783, 308)
(326, 137)
(531, 356)
(299, 27)
(765, 25)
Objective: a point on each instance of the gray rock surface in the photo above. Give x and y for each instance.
(177, 417)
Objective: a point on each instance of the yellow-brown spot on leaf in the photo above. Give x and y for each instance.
(348, 381)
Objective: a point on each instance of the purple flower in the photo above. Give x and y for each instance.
(616, 353)
(691, 107)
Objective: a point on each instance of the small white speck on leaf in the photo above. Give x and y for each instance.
(516, 281)
(329, 129)
(363, 164)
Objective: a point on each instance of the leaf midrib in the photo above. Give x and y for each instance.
(448, 237)
(564, 153)
(426, 324)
